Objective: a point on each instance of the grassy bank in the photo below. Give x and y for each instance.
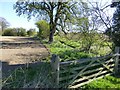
(104, 84)
(41, 76)
(71, 50)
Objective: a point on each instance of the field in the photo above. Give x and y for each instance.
(17, 51)
(21, 50)
(41, 75)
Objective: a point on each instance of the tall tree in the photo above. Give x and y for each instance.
(57, 13)
(115, 30)
(3, 23)
(101, 19)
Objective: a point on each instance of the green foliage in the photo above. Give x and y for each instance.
(89, 42)
(71, 50)
(83, 24)
(21, 32)
(104, 83)
(44, 29)
(73, 55)
(14, 32)
(64, 11)
(114, 31)
(31, 32)
(30, 77)
(9, 32)
(0, 32)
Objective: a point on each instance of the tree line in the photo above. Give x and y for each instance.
(18, 32)
(60, 15)
(43, 26)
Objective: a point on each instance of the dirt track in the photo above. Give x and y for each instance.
(21, 50)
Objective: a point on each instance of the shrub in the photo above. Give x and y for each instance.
(105, 83)
(31, 32)
(14, 32)
(44, 29)
(9, 32)
(21, 32)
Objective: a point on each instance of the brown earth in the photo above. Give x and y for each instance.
(17, 51)
(21, 50)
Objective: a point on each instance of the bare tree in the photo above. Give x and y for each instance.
(3, 23)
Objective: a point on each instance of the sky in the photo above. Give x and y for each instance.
(7, 12)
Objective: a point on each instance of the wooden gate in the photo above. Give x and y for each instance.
(74, 74)
(117, 61)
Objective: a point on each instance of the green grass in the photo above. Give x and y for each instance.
(71, 50)
(38, 76)
(66, 52)
(66, 49)
(105, 83)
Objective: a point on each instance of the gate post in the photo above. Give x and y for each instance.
(55, 68)
(117, 60)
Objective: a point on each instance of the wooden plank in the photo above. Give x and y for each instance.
(116, 54)
(98, 69)
(116, 70)
(106, 66)
(86, 72)
(81, 84)
(87, 59)
(78, 80)
(88, 77)
(96, 65)
(73, 69)
(81, 72)
(55, 67)
(81, 67)
(90, 71)
(111, 60)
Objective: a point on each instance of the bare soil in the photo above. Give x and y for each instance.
(21, 50)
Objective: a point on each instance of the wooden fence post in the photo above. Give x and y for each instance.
(117, 59)
(55, 67)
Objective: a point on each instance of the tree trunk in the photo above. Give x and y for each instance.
(52, 31)
(51, 26)
(51, 36)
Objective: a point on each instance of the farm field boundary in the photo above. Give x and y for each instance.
(76, 73)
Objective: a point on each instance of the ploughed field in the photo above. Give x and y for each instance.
(21, 50)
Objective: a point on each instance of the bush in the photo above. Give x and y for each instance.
(105, 83)
(73, 55)
(14, 32)
(31, 32)
(44, 29)
(0, 32)
(9, 32)
(21, 32)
